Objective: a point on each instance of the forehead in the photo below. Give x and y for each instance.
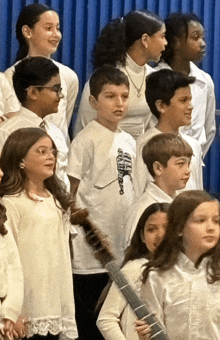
(175, 159)
(118, 89)
(195, 26)
(55, 80)
(44, 141)
(182, 92)
(157, 217)
(48, 17)
(207, 208)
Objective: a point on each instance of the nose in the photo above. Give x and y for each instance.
(210, 227)
(60, 94)
(187, 169)
(119, 101)
(160, 234)
(165, 42)
(190, 105)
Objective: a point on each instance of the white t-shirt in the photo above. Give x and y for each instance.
(138, 115)
(185, 304)
(202, 126)
(103, 162)
(142, 175)
(116, 318)
(70, 87)
(39, 232)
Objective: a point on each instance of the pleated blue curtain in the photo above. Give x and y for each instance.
(81, 22)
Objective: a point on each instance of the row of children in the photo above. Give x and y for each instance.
(102, 167)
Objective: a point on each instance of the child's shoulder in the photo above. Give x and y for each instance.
(200, 74)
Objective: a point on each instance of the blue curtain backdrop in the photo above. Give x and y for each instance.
(81, 22)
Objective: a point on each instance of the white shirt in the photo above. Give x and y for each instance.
(152, 194)
(8, 99)
(103, 162)
(11, 274)
(138, 115)
(202, 126)
(116, 318)
(142, 175)
(26, 118)
(70, 87)
(186, 305)
(39, 231)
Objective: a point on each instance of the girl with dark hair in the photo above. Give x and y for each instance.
(37, 212)
(38, 34)
(181, 284)
(128, 43)
(186, 45)
(116, 319)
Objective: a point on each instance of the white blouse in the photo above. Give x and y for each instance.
(48, 288)
(185, 304)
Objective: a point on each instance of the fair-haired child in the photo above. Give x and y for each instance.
(186, 45)
(37, 213)
(169, 97)
(116, 318)
(181, 284)
(101, 177)
(167, 158)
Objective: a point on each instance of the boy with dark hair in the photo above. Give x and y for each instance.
(186, 46)
(169, 98)
(37, 85)
(167, 158)
(101, 171)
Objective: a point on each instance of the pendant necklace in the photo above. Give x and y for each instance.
(140, 88)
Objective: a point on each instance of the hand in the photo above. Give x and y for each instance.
(7, 329)
(19, 329)
(143, 330)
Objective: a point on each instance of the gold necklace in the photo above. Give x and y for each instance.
(140, 88)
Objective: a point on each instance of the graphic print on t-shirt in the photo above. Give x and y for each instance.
(124, 166)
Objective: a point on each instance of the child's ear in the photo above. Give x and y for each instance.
(26, 31)
(161, 107)
(144, 40)
(142, 236)
(158, 168)
(32, 93)
(93, 101)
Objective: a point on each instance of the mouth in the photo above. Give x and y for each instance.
(54, 42)
(210, 238)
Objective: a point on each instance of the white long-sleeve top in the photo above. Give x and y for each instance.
(185, 304)
(11, 278)
(138, 115)
(116, 318)
(39, 231)
(202, 126)
(8, 99)
(70, 87)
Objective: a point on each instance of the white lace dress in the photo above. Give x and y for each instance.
(48, 289)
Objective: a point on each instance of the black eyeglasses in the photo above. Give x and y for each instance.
(56, 88)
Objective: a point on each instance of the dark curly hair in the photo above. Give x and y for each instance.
(120, 34)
